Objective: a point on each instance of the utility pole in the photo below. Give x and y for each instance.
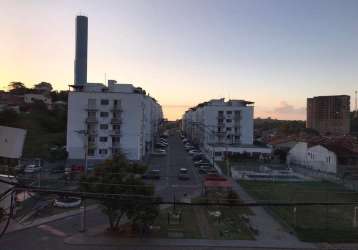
(83, 207)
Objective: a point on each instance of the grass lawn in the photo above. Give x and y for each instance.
(231, 226)
(311, 223)
(233, 223)
(186, 228)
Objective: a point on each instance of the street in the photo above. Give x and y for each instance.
(169, 186)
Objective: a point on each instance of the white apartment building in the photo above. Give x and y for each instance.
(219, 126)
(109, 119)
(316, 157)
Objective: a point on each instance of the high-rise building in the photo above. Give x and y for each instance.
(81, 50)
(329, 114)
(219, 126)
(104, 120)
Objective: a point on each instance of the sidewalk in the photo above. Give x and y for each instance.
(269, 229)
(15, 226)
(101, 239)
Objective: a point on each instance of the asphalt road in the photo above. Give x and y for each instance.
(169, 186)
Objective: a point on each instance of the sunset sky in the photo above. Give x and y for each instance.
(275, 53)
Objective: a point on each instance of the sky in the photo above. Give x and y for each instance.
(275, 53)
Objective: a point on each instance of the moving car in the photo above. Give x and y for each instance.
(183, 174)
(153, 174)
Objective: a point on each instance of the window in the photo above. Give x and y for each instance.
(228, 129)
(220, 120)
(103, 139)
(103, 126)
(104, 101)
(102, 151)
(218, 153)
(91, 102)
(117, 102)
(90, 152)
(116, 127)
(228, 120)
(91, 139)
(104, 114)
(91, 113)
(116, 139)
(229, 112)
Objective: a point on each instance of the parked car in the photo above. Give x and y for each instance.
(200, 161)
(194, 152)
(159, 152)
(160, 145)
(77, 168)
(204, 169)
(183, 174)
(198, 157)
(32, 168)
(202, 164)
(153, 174)
(164, 143)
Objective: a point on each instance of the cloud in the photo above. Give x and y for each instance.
(283, 111)
(285, 108)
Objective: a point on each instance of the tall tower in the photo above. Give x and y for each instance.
(81, 50)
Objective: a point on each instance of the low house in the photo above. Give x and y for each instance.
(30, 98)
(316, 157)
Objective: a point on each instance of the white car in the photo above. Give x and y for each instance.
(159, 152)
(32, 168)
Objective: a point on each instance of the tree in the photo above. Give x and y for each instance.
(43, 87)
(130, 195)
(17, 88)
(8, 117)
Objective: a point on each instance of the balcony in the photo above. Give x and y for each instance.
(91, 145)
(91, 120)
(115, 132)
(92, 131)
(116, 145)
(116, 121)
(116, 108)
(91, 107)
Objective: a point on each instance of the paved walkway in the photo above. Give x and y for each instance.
(16, 226)
(269, 230)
